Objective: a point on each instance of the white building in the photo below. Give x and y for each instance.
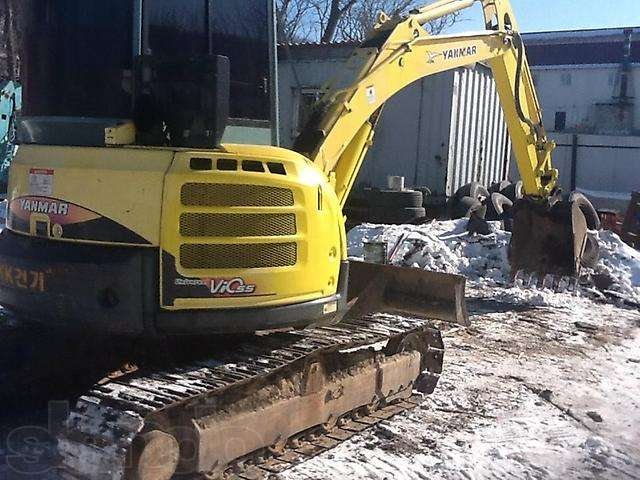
(588, 83)
(588, 80)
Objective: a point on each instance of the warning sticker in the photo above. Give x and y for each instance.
(41, 182)
(371, 95)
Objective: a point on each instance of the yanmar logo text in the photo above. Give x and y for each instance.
(460, 52)
(44, 206)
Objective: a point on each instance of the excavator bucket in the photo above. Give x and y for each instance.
(547, 240)
(411, 291)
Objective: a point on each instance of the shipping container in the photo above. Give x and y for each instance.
(441, 132)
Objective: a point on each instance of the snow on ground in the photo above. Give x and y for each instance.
(621, 262)
(440, 246)
(527, 394)
(448, 247)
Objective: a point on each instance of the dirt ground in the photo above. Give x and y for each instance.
(527, 392)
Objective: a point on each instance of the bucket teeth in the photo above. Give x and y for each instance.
(573, 284)
(548, 282)
(521, 278)
(539, 281)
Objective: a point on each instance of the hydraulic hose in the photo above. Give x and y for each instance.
(520, 65)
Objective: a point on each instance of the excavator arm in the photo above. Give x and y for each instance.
(400, 52)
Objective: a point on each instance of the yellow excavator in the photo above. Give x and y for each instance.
(152, 227)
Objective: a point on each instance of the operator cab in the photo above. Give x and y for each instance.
(178, 68)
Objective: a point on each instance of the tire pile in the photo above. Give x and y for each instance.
(393, 207)
(481, 204)
(492, 204)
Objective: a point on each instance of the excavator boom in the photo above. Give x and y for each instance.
(401, 51)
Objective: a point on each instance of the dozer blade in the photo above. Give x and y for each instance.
(547, 240)
(413, 291)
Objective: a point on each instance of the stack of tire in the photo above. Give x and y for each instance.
(389, 206)
(396, 206)
(477, 202)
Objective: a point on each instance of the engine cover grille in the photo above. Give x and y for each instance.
(225, 256)
(234, 195)
(237, 225)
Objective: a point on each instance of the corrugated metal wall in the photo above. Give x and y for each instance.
(479, 145)
(441, 132)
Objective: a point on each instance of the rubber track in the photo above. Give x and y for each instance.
(102, 427)
(264, 465)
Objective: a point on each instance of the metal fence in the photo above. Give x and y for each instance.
(605, 168)
(479, 144)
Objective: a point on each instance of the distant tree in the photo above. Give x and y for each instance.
(292, 24)
(331, 15)
(11, 25)
(336, 20)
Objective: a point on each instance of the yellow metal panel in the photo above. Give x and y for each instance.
(280, 229)
(396, 68)
(122, 184)
(533, 161)
(294, 258)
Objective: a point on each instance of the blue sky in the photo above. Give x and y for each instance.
(547, 15)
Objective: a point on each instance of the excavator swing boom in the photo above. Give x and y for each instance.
(548, 235)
